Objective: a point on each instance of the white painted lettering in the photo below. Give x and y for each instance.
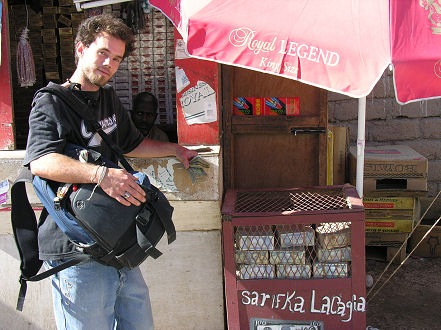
(265, 296)
(349, 309)
(288, 300)
(361, 305)
(255, 299)
(326, 305)
(300, 305)
(278, 299)
(333, 304)
(340, 308)
(330, 305)
(246, 298)
(313, 310)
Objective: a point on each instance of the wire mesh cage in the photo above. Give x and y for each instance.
(294, 247)
(292, 251)
(291, 200)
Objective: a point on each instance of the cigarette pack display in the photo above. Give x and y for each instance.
(268, 106)
(334, 255)
(334, 234)
(294, 271)
(248, 272)
(292, 256)
(248, 106)
(297, 236)
(251, 257)
(275, 106)
(330, 269)
(255, 241)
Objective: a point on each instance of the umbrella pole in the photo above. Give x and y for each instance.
(360, 144)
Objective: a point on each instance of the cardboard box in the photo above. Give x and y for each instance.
(379, 184)
(294, 271)
(385, 239)
(391, 214)
(339, 154)
(393, 167)
(295, 236)
(331, 269)
(334, 234)
(391, 162)
(50, 51)
(49, 36)
(255, 241)
(52, 75)
(389, 226)
(248, 272)
(395, 213)
(430, 247)
(389, 203)
(292, 256)
(251, 257)
(334, 255)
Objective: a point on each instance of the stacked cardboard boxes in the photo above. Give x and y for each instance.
(294, 251)
(395, 176)
(60, 23)
(389, 169)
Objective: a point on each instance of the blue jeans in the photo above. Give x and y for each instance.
(93, 296)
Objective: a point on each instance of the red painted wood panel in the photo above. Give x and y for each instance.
(6, 115)
(196, 71)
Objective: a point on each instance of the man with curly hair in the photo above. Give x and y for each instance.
(92, 295)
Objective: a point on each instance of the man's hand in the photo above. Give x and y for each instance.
(116, 183)
(122, 186)
(185, 155)
(153, 149)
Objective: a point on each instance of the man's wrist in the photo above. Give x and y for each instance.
(94, 177)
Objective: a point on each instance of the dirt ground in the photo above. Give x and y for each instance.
(410, 300)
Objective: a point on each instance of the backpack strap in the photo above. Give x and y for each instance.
(25, 230)
(84, 111)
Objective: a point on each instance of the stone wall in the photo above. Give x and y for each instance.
(417, 124)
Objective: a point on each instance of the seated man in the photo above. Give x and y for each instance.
(144, 115)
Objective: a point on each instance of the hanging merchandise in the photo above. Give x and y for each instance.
(132, 13)
(25, 60)
(145, 6)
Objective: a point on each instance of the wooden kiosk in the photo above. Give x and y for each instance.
(293, 257)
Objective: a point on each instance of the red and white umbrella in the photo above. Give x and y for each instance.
(339, 45)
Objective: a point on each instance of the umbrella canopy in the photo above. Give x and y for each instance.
(342, 46)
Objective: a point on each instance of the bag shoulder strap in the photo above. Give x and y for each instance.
(81, 108)
(25, 230)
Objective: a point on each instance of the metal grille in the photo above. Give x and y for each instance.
(294, 251)
(282, 201)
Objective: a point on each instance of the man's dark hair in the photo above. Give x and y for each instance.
(145, 97)
(91, 27)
